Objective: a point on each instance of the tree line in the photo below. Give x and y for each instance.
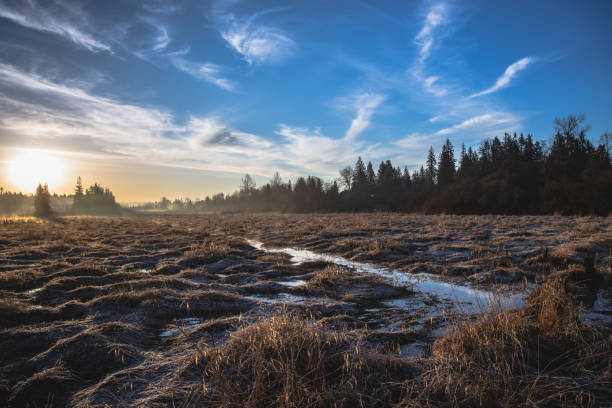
(509, 175)
(93, 200)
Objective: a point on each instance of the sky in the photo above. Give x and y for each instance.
(182, 99)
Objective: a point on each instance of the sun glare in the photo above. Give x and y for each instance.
(29, 168)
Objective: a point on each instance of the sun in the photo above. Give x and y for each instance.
(32, 167)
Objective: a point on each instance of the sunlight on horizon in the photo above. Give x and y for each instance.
(27, 169)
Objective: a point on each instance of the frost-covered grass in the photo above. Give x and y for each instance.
(92, 308)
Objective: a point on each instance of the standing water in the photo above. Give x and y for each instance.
(467, 299)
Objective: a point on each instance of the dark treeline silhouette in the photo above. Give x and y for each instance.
(95, 200)
(511, 175)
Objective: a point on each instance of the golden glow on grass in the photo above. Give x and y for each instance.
(28, 168)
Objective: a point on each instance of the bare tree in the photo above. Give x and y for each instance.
(248, 184)
(572, 125)
(276, 181)
(346, 177)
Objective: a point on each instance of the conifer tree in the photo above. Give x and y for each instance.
(430, 172)
(370, 173)
(446, 169)
(42, 201)
(360, 177)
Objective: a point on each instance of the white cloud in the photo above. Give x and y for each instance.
(212, 73)
(52, 114)
(162, 40)
(210, 131)
(32, 15)
(440, 97)
(365, 104)
(485, 122)
(425, 38)
(258, 44)
(208, 72)
(310, 152)
(205, 71)
(46, 109)
(504, 80)
(430, 86)
(413, 141)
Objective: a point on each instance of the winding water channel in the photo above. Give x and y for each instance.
(463, 297)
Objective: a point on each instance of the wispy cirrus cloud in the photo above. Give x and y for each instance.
(509, 74)
(162, 40)
(62, 20)
(44, 112)
(258, 43)
(207, 71)
(487, 122)
(426, 41)
(465, 118)
(425, 38)
(39, 108)
(365, 105)
(158, 49)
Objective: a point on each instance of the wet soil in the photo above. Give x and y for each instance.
(105, 310)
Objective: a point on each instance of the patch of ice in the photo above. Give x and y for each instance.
(287, 298)
(292, 283)
(33, 291)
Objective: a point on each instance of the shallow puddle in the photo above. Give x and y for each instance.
(287, 298)
(601, 312)
(292, 283)
(34, 291)
(466, 299)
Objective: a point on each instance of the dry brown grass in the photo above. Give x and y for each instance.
(80, 293)
(540, 356)
(286, 361)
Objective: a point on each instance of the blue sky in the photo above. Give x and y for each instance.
(183, 98)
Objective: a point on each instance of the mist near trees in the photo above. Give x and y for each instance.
(42, 201)
(509, 175)
(95, 200)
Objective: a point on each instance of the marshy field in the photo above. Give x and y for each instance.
(319, 310)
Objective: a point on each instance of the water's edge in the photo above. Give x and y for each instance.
(468, 299)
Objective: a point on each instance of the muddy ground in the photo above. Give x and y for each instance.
(128, 311)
